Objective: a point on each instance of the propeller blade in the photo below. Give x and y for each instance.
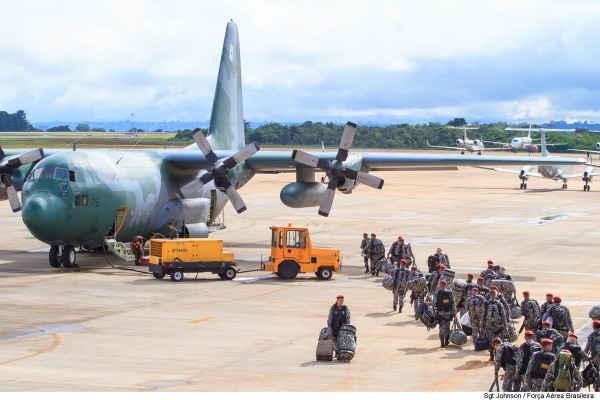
(32, 156)
(304, 158)
(369, 180)
(207, 177)
(13, 198)
(327, 202)
(191, 189)
(346, 141)
(242, 155)
(204, 146)
(236, 199)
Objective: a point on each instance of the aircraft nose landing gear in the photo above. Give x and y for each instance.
(64, 255)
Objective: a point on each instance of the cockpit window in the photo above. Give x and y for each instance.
(35, 174)
(48, 172)
(61, 174)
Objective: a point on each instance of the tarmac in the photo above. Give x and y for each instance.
(98, 329)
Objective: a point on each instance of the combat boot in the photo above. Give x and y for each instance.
(443, 343)
(447, 341)
(400, 309)
(394, 308)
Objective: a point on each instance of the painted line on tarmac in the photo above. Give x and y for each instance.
(54, 345)
(197, 321)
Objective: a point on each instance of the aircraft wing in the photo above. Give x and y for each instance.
(586, 151)
(500, 143)
(512, 171)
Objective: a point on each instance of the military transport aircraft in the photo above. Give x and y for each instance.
(467, 144)
(522, 143)
(88, 197)
(553, 172)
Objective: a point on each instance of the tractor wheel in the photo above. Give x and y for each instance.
(288, 269)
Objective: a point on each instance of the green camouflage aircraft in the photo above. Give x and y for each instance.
(82, 197)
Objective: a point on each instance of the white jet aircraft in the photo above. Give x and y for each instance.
(553, 172)
(472, 146)
(523, 142)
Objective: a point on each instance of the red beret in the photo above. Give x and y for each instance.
(496, 340)
(566, 351)
(442, 282)
(400, 238)
(414, 267)
(547, 341)
(494, 288)
(490, 262)
(596, 324)
(528, 333)
(372, 234)
(475, 289)
(441, 266)
(339, 296)
(573, 335)
(403, 261)
(548, 323)
(526, 292)
(556, 299)
(480, 278)
(549, 295)
(470, 275)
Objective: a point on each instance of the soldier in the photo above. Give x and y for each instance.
(561, 317)
(445, 310)
(137, 246)
(572, 381)
(339, 314)
(475, 304)
(400, 251)
(400, 275)
(376, 253)
(488, 274)
(505, 358)
(504, 275)
(592, 347)
(538, 367)
(547, 332)
(575, 350)
(531, 312)
(441, 258)
(483, 290)
(469, 278)
(501, 299)
(435, 278)
(523, 356)
(418, 284)
(173, 234)
(494, 320)
(364, 245)
(547, 304)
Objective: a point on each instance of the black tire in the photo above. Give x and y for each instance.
(230, 273)
(176, 276)
(325, 273)
(288, 269)
(69, 257)
(524, 186)
(55, 257)
(157, 275)
(222, 276)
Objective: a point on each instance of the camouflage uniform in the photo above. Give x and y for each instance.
(509, 365)
(576, 352)
(505, 305)
(483, 290)
(444, 313)
(548, 333)
(364, 245)
(376, 254)
(534, 376)
(488, 276)
(568, 322)
(442, 258)
(493, 325)
(418, 285)
(575, 386)
(522, 358)
(595, 355)
(531, 312)
(475, 304)
(400, 275)
(337, 317)
(402, 251)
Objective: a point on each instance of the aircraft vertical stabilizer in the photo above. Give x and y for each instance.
(226, 130)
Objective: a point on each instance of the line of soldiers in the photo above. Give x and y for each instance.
(373, 252)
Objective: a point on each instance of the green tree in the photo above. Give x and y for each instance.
(82, 128)
(457, 122)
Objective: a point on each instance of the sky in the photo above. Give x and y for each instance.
(400, 61)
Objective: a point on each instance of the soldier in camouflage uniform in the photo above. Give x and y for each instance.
(505, 358)
(441, 258)
(576, 378)
(400, 275)
(400, 251)
(364, 245)
(376, 253)
(561, 317)
(544, 307)
(592, 347)
(488, 274)
(522, 358)
(531, 312)
(418, 284)
(445, 310)
(501, 299)
(339, 314)
(435, 278)
(483, 290)
(538, 367)
(494, 320)
(575, 350)
(475, 304)
(504, 275)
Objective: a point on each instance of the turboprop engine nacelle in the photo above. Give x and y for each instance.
(459, 142)
(598, 146)
(533, 148)
(302, 194)
(507, 147)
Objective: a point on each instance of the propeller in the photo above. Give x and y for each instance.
(336, 170)
(220, 170)
(6, 169)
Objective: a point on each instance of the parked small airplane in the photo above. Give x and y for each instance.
(89, 198)
(472, 146)
(522, 143)
(553, 172)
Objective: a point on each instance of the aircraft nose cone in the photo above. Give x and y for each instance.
(44, 215)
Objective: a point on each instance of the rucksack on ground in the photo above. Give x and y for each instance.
(563, 372)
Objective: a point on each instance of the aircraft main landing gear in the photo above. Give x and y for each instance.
(65, 256)
(564, 186)
(586, 187)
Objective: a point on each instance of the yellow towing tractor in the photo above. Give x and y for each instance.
(292, 253)
(178, 256)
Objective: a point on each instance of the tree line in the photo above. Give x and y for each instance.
(315, 134)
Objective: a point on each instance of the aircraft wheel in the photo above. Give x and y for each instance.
(325, 273)
(524, 186)
(176, 276)
(230, 273)
(68, 256)
(564, 186)
(55, 257)
(157, 275)
(521, 185)
(288, 269)
(462, 152)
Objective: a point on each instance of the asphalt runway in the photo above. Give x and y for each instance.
(99, 329)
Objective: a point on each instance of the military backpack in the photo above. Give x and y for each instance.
(595, 345)
(444, 300)
(543, 361)
(508, 355)
(559, 317)
(563, 372)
